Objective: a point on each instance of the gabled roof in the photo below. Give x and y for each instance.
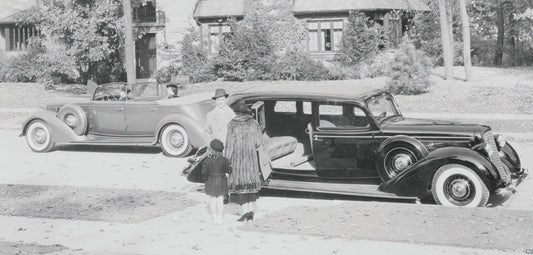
(9, 7)
(8, 20)
(228, 8)
(218, 8)
(317, 6)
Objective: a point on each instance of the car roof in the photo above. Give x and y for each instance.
(330, 90)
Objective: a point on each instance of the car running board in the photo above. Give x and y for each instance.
(367, 190)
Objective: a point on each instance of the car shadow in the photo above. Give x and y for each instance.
(110, 149)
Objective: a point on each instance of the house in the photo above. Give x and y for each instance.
(13, 38)
(157, 42)
(324, 20)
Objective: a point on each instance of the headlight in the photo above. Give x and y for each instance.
(500, 140)
(484, 148)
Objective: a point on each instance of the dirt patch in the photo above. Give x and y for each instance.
(16, 248)
(77, 203)
(486, 228)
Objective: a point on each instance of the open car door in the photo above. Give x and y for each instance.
(258, 108)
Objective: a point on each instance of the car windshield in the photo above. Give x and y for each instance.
(382, 108)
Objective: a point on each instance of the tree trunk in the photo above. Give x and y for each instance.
(129, 46)
(445, 38)
(512, 39)
(466, 40)
(499, 41)
(449, 9)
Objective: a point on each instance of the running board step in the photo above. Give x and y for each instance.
(366, 190)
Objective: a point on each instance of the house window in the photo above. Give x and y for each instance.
(324, 36)
(17, 38)
(217, 32)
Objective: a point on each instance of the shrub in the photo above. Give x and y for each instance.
(379, 65)
(362, 39)
(247, 53)
(296, 65)
(195, 63)
(40, 64)
(410, 71)
(337, 71)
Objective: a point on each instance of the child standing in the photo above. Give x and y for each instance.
(215, 169)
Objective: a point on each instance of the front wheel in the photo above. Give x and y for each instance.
(457, 185)
(38, 137)
(175, 141)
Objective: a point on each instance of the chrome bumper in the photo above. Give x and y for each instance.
(517, 178)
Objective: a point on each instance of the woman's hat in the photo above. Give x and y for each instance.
(241, 107)
(216, 145)
(220, 93)
(172, 85)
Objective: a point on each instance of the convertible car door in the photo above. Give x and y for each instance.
(141, 118)
(343, 142)
(107, 118)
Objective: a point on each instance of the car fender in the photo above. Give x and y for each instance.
(60, 131)
(193, 128)
(402, 139)
(416, 181)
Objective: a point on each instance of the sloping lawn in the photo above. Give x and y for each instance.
(493, 90)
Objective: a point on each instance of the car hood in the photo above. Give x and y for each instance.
(432, 127)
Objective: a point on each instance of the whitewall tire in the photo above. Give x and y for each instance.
(38, 137)
(174, 141)
(458, 185)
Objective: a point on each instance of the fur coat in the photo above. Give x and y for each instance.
(244, 136)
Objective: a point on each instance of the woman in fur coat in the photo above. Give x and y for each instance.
(243, 139)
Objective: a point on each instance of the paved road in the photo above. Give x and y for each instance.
(182, 232)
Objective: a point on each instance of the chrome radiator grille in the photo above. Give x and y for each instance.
(488, 137)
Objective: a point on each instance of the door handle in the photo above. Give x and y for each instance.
(315, 138)
(153, 109)
(120, 110)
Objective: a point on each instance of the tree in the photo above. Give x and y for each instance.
(446, 47)
(90, 32)
(129, 43)
(466, 40)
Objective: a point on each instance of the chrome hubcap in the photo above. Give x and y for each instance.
(401, 161)
(459, 189)
(70, 120)
(176, 139)
(39, 136)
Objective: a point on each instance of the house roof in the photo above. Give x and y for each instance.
(317, 6)
(227, 8)
(218, 8)
(8, 20)
(9, 7)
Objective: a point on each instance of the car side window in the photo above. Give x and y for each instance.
(342, 116)
(285, 107)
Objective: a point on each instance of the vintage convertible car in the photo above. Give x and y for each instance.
(343, 140)
(121, 114)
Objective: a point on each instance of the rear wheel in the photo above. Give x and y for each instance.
(458, 185)
(38, 137)
(175, 141)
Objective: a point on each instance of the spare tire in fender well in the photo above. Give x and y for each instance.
(408, 147)
(80, 125)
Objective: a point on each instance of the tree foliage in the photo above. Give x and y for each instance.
(362, 39)
(410, 70)
(88, 32)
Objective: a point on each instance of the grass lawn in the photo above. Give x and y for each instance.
(493, 90)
